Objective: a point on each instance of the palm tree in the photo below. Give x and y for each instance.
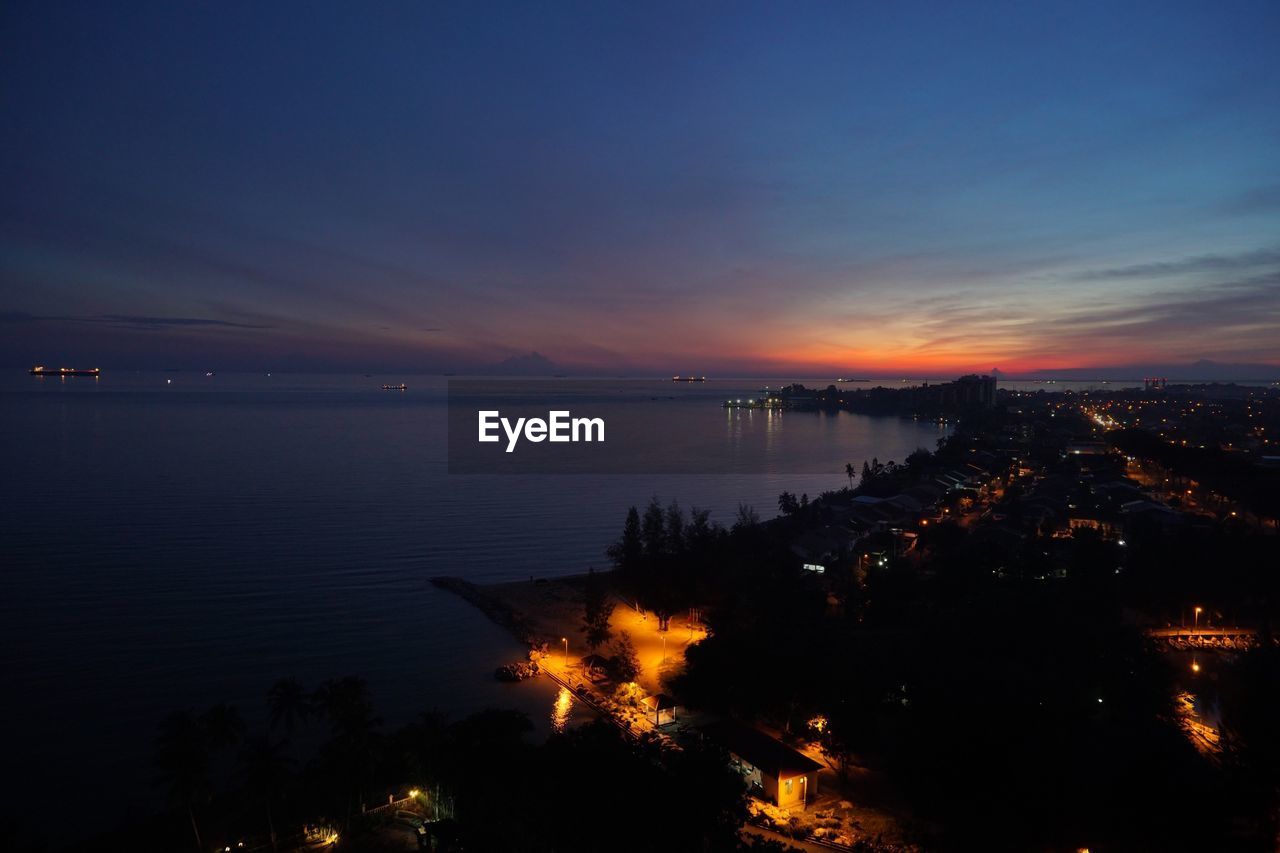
(849, 472)
(348, 706)
(182, 759)
(288, 703)
(223, 726)
(266, 768)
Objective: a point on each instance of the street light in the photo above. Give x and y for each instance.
(1196, 622)
(565, 640)
(664, 648)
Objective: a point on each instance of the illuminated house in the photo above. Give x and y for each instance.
(773, 770)
(662, 709)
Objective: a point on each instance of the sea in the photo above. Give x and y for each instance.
(173, 539)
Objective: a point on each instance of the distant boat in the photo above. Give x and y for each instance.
(41, 370)
(210, 373)
(688, 379)
(400, 387)
(842, 379)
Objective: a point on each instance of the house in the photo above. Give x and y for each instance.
(927, 494)
(661, 708)
(906, 503)
(773, 770)
(1149, 514)
(825, 547)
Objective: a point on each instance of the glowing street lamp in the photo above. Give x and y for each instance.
(664, 648)
(1196, 622)
(565, 640)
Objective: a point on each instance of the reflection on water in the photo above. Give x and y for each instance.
(560, 710)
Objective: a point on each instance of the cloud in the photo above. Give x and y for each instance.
(135, 321)
(162, 322)
(1185, 266)
(1257, 200)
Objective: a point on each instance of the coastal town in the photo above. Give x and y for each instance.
(1095, 564)
(939, 505)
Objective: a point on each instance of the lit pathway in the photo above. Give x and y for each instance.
(649, 643)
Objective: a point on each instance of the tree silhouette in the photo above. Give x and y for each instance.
(625, 661)
(288, 703)
(597, 607)
(354, 728)
(182, 759)
(627, 552)
(223, 726)
(266, 768)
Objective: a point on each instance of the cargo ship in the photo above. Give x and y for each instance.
(400, 387)
(688, 379)
(41, 370)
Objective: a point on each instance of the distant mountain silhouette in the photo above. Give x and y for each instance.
(1202, 369)
(533, 364)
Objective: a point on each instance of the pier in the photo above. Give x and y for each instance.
(757, 403)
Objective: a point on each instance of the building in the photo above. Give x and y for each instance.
(974, 391)
(773, 770)
(662, 708)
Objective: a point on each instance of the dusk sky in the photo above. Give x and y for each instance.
(870, 188)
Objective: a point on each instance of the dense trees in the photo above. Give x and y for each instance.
(182, 763)
(589, 789)
(491, 787)
(1005, 690)
(597, 607)
(289, 704)
(1002, 708)
(625, 661)
(664, 559)
(266, 770)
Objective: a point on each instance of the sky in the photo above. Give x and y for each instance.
(803, 187)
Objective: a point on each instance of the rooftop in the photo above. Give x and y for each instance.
(755, 747)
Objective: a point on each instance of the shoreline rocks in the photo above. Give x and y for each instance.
(517, 671)
(497, 610)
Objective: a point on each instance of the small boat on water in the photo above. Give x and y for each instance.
(41, 370)
(400, 387)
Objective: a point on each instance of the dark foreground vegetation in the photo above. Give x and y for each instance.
(478, 783)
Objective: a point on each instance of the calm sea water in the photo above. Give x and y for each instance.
(172, 539)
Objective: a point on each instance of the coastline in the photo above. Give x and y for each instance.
(494, 607)
(538, 612)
